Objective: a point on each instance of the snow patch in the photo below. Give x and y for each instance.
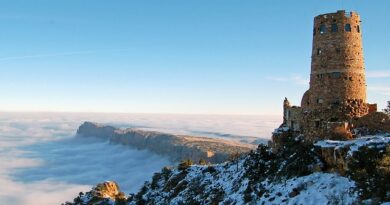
(317, 188)
(281, 130)
(355, 144)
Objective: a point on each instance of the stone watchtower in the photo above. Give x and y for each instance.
(337, 92)
(337, 68)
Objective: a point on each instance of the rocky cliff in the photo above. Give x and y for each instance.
(299, 173)
(105, 193)
(176, 147)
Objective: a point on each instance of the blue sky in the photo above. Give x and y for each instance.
(174, 56)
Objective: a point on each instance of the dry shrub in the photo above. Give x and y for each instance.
(340, 133)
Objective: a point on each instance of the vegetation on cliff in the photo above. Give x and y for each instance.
(175, 147)
(387, 109)
(297, 173)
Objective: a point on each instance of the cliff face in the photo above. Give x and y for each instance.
(109, 190)
(96, 130)
(296, 174)
(176, 147)
(326, 172)
(105, 193)
(339, 155)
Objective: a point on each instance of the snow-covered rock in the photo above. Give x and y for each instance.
(293, 175)
(339, 154)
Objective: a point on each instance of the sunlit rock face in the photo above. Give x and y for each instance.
(176, 147)
(105, 193)
(300, 172)
(339, 155)
(108, 190)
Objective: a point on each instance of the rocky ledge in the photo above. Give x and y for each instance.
(297, 174)
(340, 156)
(105, 193)
(175, 147)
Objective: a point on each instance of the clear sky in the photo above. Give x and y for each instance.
(173, 56)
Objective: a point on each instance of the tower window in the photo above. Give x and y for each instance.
(319, 51)
(314, 31)
(348, 27)
(358, 29)
(317, 124)
(292, 125)
(336, 101)
(336, 75)
(335, 28)
(320, 75)
(338, 50)
(322, 29)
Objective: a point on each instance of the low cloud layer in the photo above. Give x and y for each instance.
(43, 163)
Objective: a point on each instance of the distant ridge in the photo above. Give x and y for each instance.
(175, 147)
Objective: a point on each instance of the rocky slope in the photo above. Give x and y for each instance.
(176, 147)
(299, 173)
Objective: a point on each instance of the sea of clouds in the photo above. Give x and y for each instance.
(42, 162)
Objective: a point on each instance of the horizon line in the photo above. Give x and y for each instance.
(136, 113)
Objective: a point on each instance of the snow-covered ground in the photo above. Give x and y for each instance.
(42, 163)
(379, 140)
(317, 188)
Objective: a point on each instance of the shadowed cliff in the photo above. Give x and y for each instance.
(175, 147)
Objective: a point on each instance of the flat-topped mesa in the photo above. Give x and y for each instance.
(175, 147)
(337, 93)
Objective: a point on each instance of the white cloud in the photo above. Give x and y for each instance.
(383, 90)
(37, 193)
(294, 79)
(378, 74)
(42, 163)
(70, 53)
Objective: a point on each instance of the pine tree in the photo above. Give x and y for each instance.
(202, 162)
(387, 109)
(184, 164)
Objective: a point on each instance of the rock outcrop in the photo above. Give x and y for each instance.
(175, 147)
(339, 155)
(296, 174)
(105, 193)
(108, 190)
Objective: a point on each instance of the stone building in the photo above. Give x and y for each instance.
(337, 93)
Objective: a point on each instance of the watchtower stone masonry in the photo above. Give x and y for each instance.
(337, 93)
(337, 66)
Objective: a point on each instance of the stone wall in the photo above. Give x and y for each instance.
(337, 70)
(292, 116)
(337, 90)
(337, 94)
(374, 122)
(320, 123)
